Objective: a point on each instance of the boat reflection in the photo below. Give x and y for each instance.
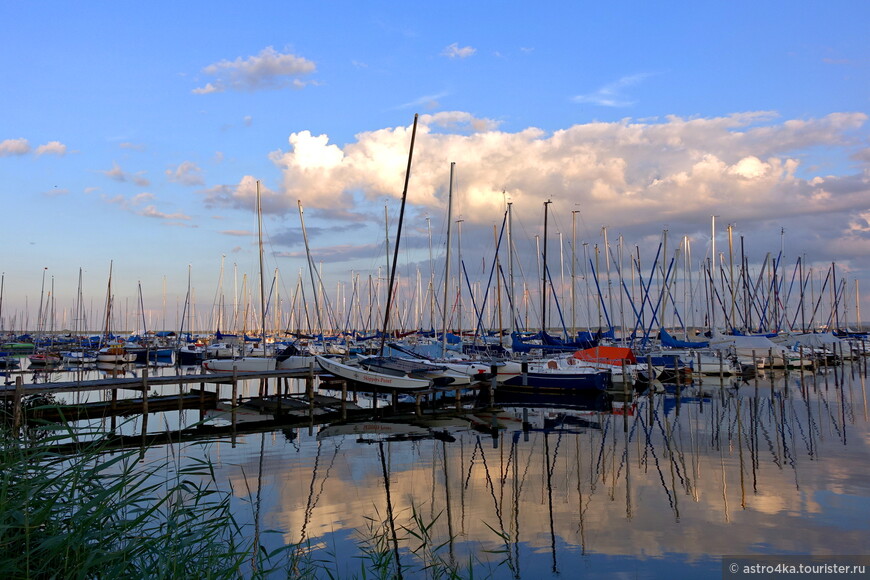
(772, 465)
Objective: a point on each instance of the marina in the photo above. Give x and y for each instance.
(509, 482)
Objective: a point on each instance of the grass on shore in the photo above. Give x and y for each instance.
(113, 514)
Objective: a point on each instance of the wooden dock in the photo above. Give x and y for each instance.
(273, 407)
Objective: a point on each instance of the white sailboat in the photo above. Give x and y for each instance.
(375, 379)
(389, 372)
(251, 363)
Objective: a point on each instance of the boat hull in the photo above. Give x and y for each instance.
(595, 381)
(373, 379)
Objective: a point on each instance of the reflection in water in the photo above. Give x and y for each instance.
(662, 485)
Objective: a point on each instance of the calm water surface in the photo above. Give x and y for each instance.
(660, 488)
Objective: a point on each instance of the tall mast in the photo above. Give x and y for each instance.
(731, 273)
(609, 281)
(431, 291)
(219, 303)
(108, 303)
(498, 287)
(387, 235)
(510, 246)
(459, 275)
(712, 272)
(573, 273)
(262, 283)
(310, 268)
(544, 273)
(39, 314)
(447, 263)
(398, 238)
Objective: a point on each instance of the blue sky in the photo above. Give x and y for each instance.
(133, 134)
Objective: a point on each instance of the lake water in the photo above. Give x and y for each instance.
(662, 487)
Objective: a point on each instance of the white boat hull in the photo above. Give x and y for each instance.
(370, 378)
(253, 364)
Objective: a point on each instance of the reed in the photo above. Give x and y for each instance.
(114, 514)
(99, 513)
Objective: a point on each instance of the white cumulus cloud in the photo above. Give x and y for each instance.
(456, 51)
(11, 147)
(51, 148)
(268, 70)
(186, 173)
(637, 177)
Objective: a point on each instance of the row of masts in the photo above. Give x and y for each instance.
(604, 286)
(726, 294)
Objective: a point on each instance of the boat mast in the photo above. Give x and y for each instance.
(310, 268)
(609, 280)
(459, 276)
(431, 290)
(498, 287)
(544, 273)
(573, 273)
(711, 273)
(39, 314)
(731, 281)
(108, 304)
(262, 284)
(447, 264)
(398, 238)
(510, 246)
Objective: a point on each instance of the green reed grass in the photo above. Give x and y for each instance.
(103, 514)
(99, 513)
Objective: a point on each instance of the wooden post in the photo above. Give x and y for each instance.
(649, 370)
(145, 391)
(344, 400)
(16, 404)
(677, 369)
(144, 407)
(309, 383)
(235, 400)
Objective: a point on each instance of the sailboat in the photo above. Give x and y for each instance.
(79, 355)
(551, 374)
(115, 351)
(44, 357)
(387, 372)
(288, 359)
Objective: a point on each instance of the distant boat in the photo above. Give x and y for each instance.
(289, 359)
(18, 346)
(79, 357)
(44, 359)
(191, 354)
(116, 354)
(8, 361)
(552, 376)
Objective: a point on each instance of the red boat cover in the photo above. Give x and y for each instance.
(613, 355)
